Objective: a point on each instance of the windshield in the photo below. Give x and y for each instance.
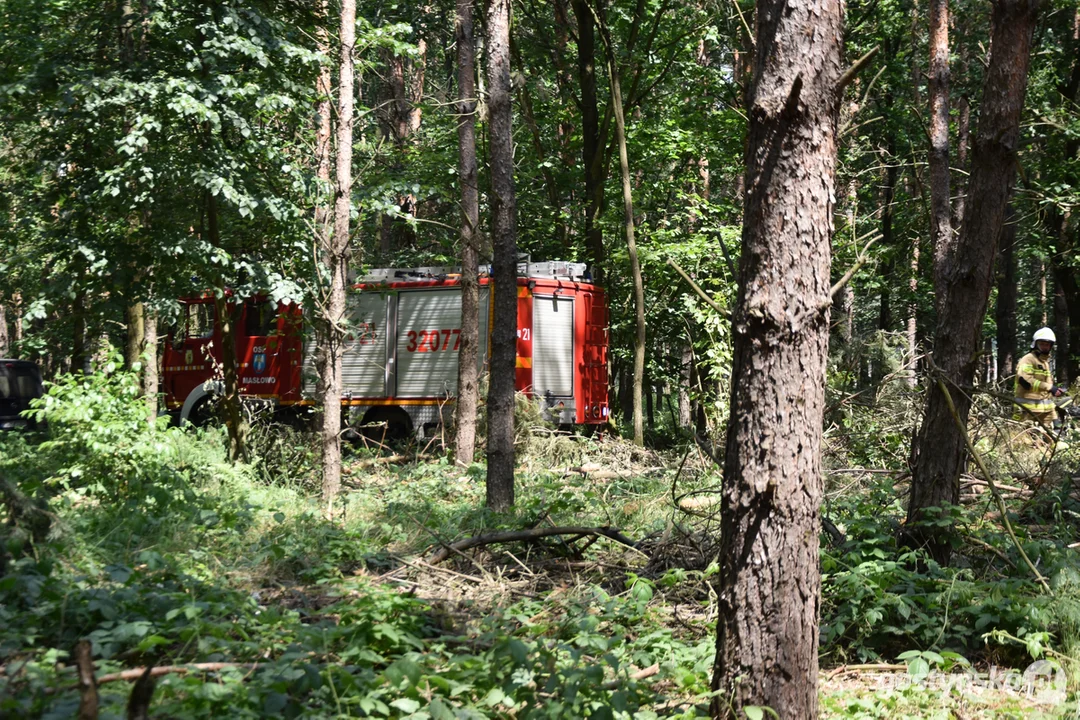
(19, 382)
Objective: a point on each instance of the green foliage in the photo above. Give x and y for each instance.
(881, 599)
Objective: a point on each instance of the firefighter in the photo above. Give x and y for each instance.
(1035, 389)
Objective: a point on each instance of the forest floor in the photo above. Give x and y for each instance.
(194, 560)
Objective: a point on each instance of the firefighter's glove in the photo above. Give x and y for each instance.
(1057, 391)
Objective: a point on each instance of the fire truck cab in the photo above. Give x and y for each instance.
(400, 361)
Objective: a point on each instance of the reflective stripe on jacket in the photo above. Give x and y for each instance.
(1033, 384)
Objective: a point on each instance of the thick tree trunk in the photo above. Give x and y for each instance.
(592, 145)
(1005, 310)
(336, 256)
(940, 220)
(468, 356)
(965, 273)
(500, 406)
(767, 624)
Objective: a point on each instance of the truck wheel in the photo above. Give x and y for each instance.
(206, 412)
(387, 424)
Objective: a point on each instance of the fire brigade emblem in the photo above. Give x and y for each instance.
(189, 357)
(259, 363)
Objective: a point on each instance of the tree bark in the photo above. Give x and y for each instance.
(940, 220)
(136, 334)
(886, 319)
(1005, 310)
(336, 256)
(1061, 330)
(685, 364)
(468, 355)
(964, 275)
(500, 406)
(231, 404)
(5, 342)
(150, 372)
(769, 582)
(592, 145)
(631, 243)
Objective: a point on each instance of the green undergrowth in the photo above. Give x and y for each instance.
(147, 543)
(161, 553)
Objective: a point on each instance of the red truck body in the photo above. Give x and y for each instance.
(401, 356)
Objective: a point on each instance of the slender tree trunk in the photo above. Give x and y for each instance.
(136, 334)
(912, 332)
(1005, 310)
(231, 403)
(80, 357)
(631, 243)
(468, 356)
(940, 221)
(592, 145)
(150, 372)
(965, 273)
(888, 267)
(769, 583)
(5, 343)
(500, 469)
(16, 308)
(337, 256)
(685, 364)
(963, 144)
(1061, 330)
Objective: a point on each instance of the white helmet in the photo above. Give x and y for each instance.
(1043, 334)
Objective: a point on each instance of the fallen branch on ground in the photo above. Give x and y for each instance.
(639, 675)
(135, 674)
(533, 534)
(870, 667)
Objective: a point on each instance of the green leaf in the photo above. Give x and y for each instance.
(406, 705)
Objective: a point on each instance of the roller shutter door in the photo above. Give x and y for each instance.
(553, 346)
(428, 341)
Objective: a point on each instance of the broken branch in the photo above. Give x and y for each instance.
(533, 534)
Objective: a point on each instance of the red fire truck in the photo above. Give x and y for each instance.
(400, 362)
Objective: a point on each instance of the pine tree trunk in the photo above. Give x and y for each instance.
(1005, 310)
(965, 273)
(500, 406)
(685, 364)
(337, 256)
(5, 343)
(769, 583)
(468, 356)
(940, 220)
(150, 372)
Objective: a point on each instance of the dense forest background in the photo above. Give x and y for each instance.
(151, 150)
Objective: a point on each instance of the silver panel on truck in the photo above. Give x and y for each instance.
(429, 341)
(363, 362)
(553, 346)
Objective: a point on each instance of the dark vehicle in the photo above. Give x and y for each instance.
(20, 382)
